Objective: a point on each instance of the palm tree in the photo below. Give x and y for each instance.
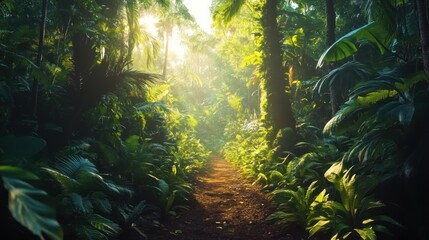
(171, 17)
(276, 110)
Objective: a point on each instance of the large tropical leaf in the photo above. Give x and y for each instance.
(104, 225)
(14, 172)
(343, 77)
(349, 117)
(373, 32)
(38, 217)
(21, 147)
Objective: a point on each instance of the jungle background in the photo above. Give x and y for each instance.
(106, 119)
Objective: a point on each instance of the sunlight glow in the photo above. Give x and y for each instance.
(200, 10)
(148, 23)
(176, 49)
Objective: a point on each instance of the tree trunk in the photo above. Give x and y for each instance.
(335, 95)
(276, 111)
(35, 86)
(424, 34)
(164, 70)
(330, 22)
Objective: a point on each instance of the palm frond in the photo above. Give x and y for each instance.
(225, 11)
(74, 165)
(79, 204)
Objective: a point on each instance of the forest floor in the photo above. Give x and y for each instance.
(227, 207)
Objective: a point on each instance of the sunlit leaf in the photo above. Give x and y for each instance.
(366, 234)
(319, 226)
(346, 46)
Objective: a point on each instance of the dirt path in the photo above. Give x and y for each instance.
(227, 207)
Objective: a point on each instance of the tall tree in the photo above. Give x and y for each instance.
(330, 39)
(35, 87)
(176, 15)
(276, 107)
(422, 10)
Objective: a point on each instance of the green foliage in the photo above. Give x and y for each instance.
(355, 215)
(296, 207)
(86, 198)
(345, 46)
(35, 215)
(21, 147)
(343, 77)
(25, 202)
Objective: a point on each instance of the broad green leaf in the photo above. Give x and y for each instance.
(262, 179)
(397, 111)
(283, 217)
(346, 46)
(108, 154)
(367, 221)
(322, 197)
(387, 219)
(68, 184)
(346, 118)
(334, 172)
(319, 226)
(382, 229)
(14, 172)
(170, 200)
(376, 96)
(132, 143)
(38, 217)
(104, 225)
(276, 177)
(163, 187)
(21, 147)
(366, 234)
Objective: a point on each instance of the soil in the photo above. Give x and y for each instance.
(227, 207)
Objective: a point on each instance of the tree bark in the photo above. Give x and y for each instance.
(42, 31)
(335, 95)
(164, 70)
(330, 22)
(424, 34)
(278, 110)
